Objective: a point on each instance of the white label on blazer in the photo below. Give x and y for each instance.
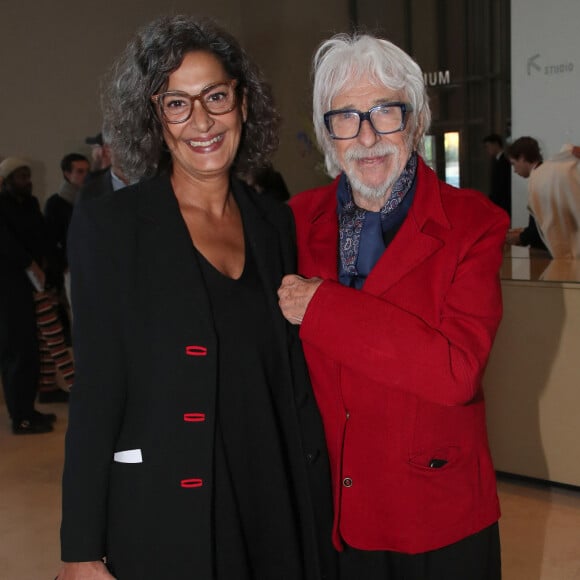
(129, 456)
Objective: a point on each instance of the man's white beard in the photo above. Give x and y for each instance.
(357, 152)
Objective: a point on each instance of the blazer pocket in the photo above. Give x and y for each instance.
(128, 456)
(436, 459)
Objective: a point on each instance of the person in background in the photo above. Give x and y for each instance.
(501, 173)
(525, 156)
(58, 212)
(59, 206)
(398, 303)
(112, 179)
(194, 446)
(100, 156)
(554, 202)
(25, 258)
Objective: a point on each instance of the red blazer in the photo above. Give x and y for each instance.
(397, 367)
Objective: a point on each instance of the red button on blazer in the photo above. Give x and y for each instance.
(195, 350)
(194, 417)
(192, 482)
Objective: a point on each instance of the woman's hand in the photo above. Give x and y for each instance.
(295, 294)
(84, 571)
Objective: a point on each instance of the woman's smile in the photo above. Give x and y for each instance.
(206, 145)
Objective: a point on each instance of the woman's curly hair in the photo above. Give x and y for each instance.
(134, 130)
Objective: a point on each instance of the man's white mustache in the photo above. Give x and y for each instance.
(357, 152)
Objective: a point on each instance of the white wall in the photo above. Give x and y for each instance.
(545, 102)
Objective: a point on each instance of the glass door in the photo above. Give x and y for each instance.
(442, 154)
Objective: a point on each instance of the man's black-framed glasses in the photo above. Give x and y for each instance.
(384, 119)
(177, 106)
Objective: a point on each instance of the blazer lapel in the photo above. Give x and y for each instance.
(263, 239)
(323, 236)
(419, 236)
(410, 248)
(167, 255)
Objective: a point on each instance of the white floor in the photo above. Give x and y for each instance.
(540, 527)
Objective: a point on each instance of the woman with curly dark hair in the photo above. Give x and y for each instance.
(194, 447)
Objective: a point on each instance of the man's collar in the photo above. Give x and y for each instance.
(116, 181)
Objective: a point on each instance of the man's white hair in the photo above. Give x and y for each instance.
(344, 59)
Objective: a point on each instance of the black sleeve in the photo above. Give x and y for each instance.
(97, 397)
(531, 236)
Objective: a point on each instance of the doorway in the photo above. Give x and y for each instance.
(442, 154)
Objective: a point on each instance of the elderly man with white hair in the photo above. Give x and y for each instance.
(399, 301)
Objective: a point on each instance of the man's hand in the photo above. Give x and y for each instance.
(294, 296)
(84, 571)
(513, 236)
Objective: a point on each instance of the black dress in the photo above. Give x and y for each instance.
(256, 530)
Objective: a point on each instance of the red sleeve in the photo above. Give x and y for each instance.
(441, 362)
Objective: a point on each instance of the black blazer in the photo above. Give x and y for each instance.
(145, 350)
